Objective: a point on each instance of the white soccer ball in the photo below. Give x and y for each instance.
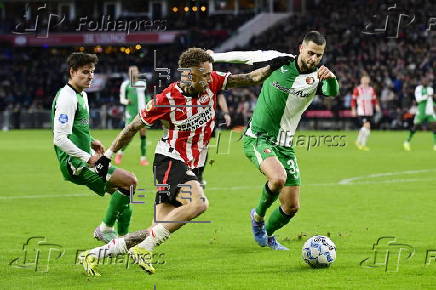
(319, 252)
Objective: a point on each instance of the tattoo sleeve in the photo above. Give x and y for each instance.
(249, 79)
(135, 238)
(126, 135)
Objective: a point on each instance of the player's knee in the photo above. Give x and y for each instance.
(277, 182)
(132, 180)
(200, 206)
(290, 209)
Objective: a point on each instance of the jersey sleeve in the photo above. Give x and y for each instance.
(65, 109)
(123, 99)
(219, 80)
(141, 94)
(373, 97)
(354, 97)
(156, 109)
(247, 57)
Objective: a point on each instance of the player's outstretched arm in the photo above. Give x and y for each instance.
(259, 75)
(126, 135)
(329, 83)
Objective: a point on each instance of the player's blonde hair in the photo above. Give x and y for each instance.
(194, 56)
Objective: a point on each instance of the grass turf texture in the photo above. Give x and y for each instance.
(35, 201)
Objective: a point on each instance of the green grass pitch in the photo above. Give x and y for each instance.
(354, 197)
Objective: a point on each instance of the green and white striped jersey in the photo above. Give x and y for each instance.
(285, 95)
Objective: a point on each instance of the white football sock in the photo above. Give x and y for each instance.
(113, 248)
(105, 228)
(366, 133)
(157, 235)
(360, 136)
(143, 158)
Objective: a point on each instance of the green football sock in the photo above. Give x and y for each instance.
(116, 206)
(124, 220)
(266, 200)
(143, 146)
(434, 138)
(277, 220)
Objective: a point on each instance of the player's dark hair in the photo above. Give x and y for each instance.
(79, 59)
(315, 37)
(194, 57)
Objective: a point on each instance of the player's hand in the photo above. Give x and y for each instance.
(325, 73)
(102, 166)
(210, 52)
(93, 159)
(277, 62)
(228, 119)
(97, 146)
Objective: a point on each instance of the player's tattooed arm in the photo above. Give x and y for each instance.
(126, 135)
(135, 238)
(257, 76)
(249, 79)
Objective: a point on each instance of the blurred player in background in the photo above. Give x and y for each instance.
(187, 110)
(285, 95)
(73, 143)
(363, 103)
(134, 98)
(425, 111)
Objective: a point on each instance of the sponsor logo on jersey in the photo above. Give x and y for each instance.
(299, 93)
(310, 80)
(63, 118)
(267, 150)
(196, 121)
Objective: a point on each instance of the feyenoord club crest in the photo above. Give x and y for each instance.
(310, 80)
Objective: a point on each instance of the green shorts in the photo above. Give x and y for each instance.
(260, 148)
(78, 172)
(423, 118)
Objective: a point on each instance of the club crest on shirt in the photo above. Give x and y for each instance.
(63, 118)
(203, 98)
(310, 80)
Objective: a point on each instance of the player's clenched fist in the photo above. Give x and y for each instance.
(325, 73)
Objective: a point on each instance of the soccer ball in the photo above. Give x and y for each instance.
(319, 252)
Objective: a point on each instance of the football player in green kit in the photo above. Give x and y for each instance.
(285, 95)
(425, 111)
(135, 99)
(77, 152)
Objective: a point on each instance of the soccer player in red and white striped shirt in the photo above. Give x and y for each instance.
(363, 105)
(187, 111)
